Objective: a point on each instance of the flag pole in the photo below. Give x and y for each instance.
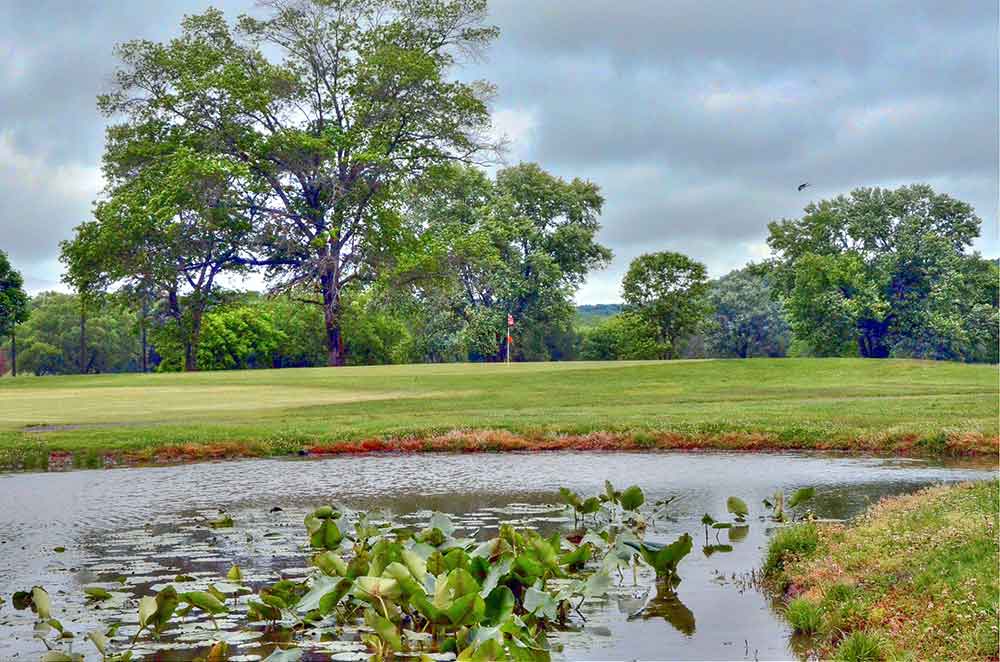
(510, 325)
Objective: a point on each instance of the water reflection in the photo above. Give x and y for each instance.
(668, 606)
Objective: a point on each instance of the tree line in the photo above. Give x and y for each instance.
(333, 150)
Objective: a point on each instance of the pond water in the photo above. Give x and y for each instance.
(147, 525)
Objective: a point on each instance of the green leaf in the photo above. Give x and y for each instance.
(737, 507)
(499, 606)
(205, 601)
(632, 497)
(801, 496)
(384, 628)
(96, 593)
(235, 574)
(43, 606)
(466, 610)
(541, 603)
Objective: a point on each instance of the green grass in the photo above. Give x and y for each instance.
(805, 403)
(915, 578)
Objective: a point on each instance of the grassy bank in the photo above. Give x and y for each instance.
(890, 406)
(915, 578)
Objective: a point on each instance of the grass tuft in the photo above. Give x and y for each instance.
(804, 615)
(861, 647)
(788, 544)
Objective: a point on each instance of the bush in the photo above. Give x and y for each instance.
(799, 540)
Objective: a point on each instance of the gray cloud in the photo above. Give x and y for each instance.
(697, 119)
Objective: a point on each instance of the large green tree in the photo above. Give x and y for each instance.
(885, 272)
(13, 305)
(329, 107)
(521, 244)
(668, 290)
(745, 320)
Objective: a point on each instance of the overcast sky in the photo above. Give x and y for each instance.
(698, 119)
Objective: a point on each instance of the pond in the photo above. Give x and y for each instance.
(134, 530)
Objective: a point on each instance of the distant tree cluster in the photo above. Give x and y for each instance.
(878, 273)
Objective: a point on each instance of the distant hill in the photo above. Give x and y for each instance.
(591, 314)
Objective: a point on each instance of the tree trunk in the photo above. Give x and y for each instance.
(331, 320)
(13, 354)
(83, 341)
(144, 361)
(194, 339)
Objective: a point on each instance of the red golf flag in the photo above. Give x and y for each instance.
(510, 320)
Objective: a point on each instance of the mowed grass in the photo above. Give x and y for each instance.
(785, 402)
(914, 579)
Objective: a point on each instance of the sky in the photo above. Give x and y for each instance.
(698, 119)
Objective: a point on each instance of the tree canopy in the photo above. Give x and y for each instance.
(668, 290)
(887, 272)
(317, 116)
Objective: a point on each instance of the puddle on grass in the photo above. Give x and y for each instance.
(132, 531)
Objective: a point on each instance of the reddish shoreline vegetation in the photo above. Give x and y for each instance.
(498, 441)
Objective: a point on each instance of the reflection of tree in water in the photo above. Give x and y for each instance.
(668, 606)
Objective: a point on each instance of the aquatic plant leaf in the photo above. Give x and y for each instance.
(540, 603)
(219, 652)
(466, 610)
(737, 506)
(205, 601)
(147, 608)
(320, 587)
(707, 520)
(500, 605)
(597, 584)
(235, 574)
(722, 525)
(369, 588)
(632, 497)
(331, 564)
(442, 522)
(497, 570)
(290, 655)
(461, 582)
(384, 628)
(487, 651)
(415, 563)
(611, 495)
(577, 557)
(96, 593)
(224, 522)
(570, 498)
(801, 496)
(59, 656)
(590, 506)
(100, 641)
(41, 603)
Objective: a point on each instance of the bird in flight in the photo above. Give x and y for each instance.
(803, 185)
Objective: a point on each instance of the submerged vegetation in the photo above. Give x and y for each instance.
(915, 578)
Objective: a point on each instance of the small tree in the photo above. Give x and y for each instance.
(13, 305)
(745, 320)
(668, 289)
